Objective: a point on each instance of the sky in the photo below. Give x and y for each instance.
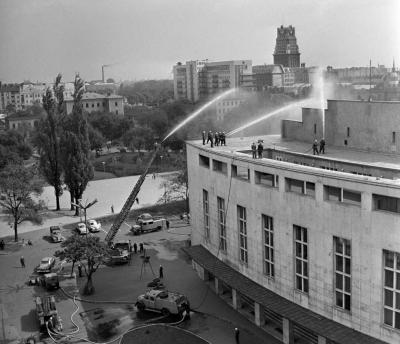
(143, 39)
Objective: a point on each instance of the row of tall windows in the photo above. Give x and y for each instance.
(341, 259)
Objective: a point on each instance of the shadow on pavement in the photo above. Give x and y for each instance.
(29, 322)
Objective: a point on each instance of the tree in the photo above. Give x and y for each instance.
(13, 149)
(47, 138)
(75, 147)
(96, 139)
(89, 251)
(17, 185)
(138, 137)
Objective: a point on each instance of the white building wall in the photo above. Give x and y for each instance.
(369, 231)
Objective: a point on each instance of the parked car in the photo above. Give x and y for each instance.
(94, 226)
(55, 234)
(46, 264)
(81, 228)
(162, 301)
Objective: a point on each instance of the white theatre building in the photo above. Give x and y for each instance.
(306, 246)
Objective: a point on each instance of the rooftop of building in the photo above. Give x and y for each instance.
(302, 151)
(94, 96)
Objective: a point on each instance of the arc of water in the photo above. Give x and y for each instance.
(199, 111)
(264, 117)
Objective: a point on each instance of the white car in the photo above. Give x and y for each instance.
(46, 264)
(94, 226)
(81, 228)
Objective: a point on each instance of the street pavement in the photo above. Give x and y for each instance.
(109, 192)
(213, 320)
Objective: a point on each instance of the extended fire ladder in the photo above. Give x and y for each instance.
(119, 219)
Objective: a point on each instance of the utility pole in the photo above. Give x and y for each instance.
(369, 98)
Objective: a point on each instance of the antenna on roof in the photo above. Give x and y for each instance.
(369, 98)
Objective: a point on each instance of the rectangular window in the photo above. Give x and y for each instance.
(333, 194)
(301, 258)
(204, 161)
(92, 105)
(315, 128)
(386, 203)
(294, 185)
(393, 137)
(87, 105)
(242, 226)
(348, 131)
(206, 214)
(310, 189)
(268, 233)
(351, 197)
(266, 179)
(391, 289)
(221, 223)
(116, 104)
(220, 166)
(342, 263)
(240, 172)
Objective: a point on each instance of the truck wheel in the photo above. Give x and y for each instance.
(165, 312)
(140, 307)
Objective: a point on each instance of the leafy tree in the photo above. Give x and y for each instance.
(110, 125)
(139, 138)
(47, 138)
(75, 147)
(89, 251)
(96, 139)
(13, 148)
(17, 185)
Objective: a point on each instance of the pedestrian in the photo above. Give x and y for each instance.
(22, 260)
(204, 137)
(223, 139)
(80, 270)
(212, 140)
(135, 247)
(161, 272)
(167, 224)
(216, 140)
(112, 209)
(2, 244)
(315, 147)
(260, 150)
(137, 200)
(141, 247)
(322, 146)
(254, 150)
(237, 333)
(130, 246)
(209, 136)
(154, 176)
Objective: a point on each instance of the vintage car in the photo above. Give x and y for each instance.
(46, 265)
(93, 226)
(55, 234)
(81, 228)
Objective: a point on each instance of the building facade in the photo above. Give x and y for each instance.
(305, 246)
(286, 48)
(198, 80)
(98, 102)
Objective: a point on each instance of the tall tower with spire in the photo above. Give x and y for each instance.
(286, 48)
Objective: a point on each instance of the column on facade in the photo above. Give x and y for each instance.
(259, 318)
(236, 299)
(288, 335)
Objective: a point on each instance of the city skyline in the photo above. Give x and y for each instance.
(144, 40)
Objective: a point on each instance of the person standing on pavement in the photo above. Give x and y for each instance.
(135, 247)
(141, 247)
(204, 137)
(161, 272)
(237, 334)
(209, 136)
(22, 260)
(315, 147)
(322, 146)
(79, 270)
(2, 244)
(167, 224)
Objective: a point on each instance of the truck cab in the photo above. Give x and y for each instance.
(55, 234)
(121, 252)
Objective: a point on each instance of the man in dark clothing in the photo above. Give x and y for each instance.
(216, 142)
(260, 149)
(204, 137)
(315, 147)
(22, 260)
(167, 224)
(212, 140)
(2, 244)
(254, 150)
(141, 247)
(135, 247)
(161, 272)
(223, 139)
(237, 333)
(80, 269)
(209, 137)
(322, 146)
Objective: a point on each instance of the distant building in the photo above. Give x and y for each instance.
(265, 76)
(23, 124)
(197, 80)
(286, 48)
(98, 102)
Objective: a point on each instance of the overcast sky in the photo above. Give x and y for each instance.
(40, 38)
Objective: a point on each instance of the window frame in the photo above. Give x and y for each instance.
(302, 259)
(342, 256)
(206, 215)
(242, 232)
(267, 226)
(394, 289)
(221, 224)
